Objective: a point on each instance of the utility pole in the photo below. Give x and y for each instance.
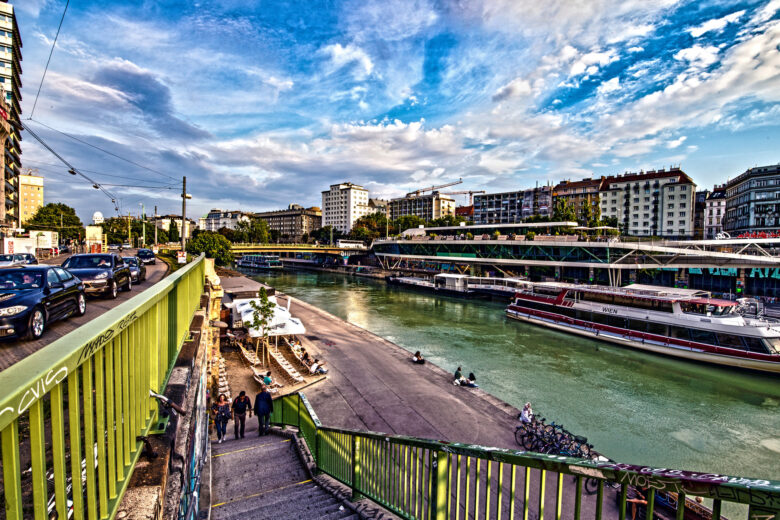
(184, 197)
(155, 225)
(143, 224)
(129, 236)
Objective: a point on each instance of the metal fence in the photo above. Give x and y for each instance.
(424, 479)
(71, 413)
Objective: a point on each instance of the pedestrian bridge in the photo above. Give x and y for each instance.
(72, 416)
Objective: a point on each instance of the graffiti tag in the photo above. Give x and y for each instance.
(37, 390)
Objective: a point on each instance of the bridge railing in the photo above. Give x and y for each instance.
(71, 413)
(424, 479)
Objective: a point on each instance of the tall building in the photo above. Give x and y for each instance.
(11, 92)
(427, 206)
(752, 201)
(292, 223)
(343, 204)
(653, 203)
(378, 206)
(512, 206)
(218, 219)
(580, 195)
(714, 211)
(30, 196)
(699, 210)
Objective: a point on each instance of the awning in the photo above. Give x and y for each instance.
(712, 301)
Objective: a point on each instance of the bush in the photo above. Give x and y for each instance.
(469, 236)
(214, 245)
(530, 235)
(496, 234)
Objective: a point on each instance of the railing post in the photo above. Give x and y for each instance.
(356, 495)
(439, 471)
(317, 469)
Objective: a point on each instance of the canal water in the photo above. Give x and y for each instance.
(634, 407)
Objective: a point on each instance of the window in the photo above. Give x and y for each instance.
(680, 333)
(670, 188)
(703, 336)
(682, 205)
(683, 188)
(52, 277)
(670, 214)
(63, 274)
(671, 206)
(730, 341)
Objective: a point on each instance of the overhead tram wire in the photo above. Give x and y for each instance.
(103, 150)
(51, 52)
(127, 177)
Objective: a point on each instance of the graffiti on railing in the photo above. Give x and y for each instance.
(37, 390)
(105, 337)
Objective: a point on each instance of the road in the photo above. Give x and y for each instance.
(12, 351)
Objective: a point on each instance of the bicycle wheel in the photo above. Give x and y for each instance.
(591, 485)
(528, 441)
(520, 433)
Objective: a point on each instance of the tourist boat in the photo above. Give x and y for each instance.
(444, 283)
(259, 262)
(683, 323)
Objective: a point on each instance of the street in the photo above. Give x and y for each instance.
(15, 350)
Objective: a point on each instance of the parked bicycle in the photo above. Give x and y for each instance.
(551, 438)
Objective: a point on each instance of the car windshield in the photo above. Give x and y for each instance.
(18, 279)
(131, 261)
(6, 258)
(144, 252)
(88, 262)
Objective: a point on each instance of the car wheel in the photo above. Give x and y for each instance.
(129, 286)
(81, 305)
(113, 290)
(37, 324)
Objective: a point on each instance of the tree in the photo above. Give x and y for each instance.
(323, 235)
(408, 222)
(447, 220)
(261, 317)
(214, 245)
(564, 211)
(59, 217)
(173, 232)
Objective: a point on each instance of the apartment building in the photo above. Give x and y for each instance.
(653, 203)
(427, 206)
(512, 206)
(378, 206)
(30, 196)
(753, 201)
(343, 204)
(714, 211)
(580, 195)
(217, 219)
(165, 221)
(292, 223)
(10, 115)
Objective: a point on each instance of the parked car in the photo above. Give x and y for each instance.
(101, 273)
(27, 258)
(127, 245)
(113, 247)
(147, 256)
(137, 268)
(33, 296)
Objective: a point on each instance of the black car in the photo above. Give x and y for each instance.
(33, 296)
(137, 268)
(101, 273)
(27, 258)
(146, 256)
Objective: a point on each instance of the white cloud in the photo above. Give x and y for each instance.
(609, 86)
(631, 32)
(676, 142)
(591, 62)
(698, 56)
(516, 87)
(342, 55)
(717, 24)
(635, 49)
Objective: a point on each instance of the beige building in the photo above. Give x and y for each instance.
(343, 204)
(293, 222)
(10, 91)
(30, 196)
(427, 207)
(164, 222)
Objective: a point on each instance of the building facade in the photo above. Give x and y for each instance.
(753, 201)
(653, 203)
(292, 223)
(714, 211)
(218, 219)
(378, 206)
(30, 196)
(343, 204)
(512, 206)
(164, 222)
(581, 195)
(11, 93)
(427, 206)
(699, 210)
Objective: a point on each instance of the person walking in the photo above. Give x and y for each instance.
(264, 407)
(241, 406)
(221, 411)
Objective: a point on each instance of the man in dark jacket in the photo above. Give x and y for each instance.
(264, 407)
(241, 406)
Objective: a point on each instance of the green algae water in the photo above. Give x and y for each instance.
(634, 407)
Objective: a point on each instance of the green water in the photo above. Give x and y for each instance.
(634, 407)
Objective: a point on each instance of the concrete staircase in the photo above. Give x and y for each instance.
(263, 477)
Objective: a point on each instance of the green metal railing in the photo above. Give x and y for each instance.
(423, 479)
(70, 414)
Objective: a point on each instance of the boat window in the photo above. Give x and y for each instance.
(730, 340)
(680, 333)
(773, 344)
(703, 336)
(637, 325)
(617, 321)
(585, 316)
(657, 328)
(566, 311)
(754, 344)
(600, 318)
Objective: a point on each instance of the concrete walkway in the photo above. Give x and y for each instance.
(264, 478)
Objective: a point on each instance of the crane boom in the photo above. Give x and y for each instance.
(470, 193)
(416, 193)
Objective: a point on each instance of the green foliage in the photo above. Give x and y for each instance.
(255, 231)
(447, 220)
(530, 235)
(48, 218)
(261, 314)
(496, 234)
(214, 245)
(173, 232)
(469, 236)
(537, 218)
(408, 222)
(369, 227)
(322, 235)
(563, 211)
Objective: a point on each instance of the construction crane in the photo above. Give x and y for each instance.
(416, 193)
(466, 192)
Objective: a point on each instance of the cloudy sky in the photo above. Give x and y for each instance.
(264, 104)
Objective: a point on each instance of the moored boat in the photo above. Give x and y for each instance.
(445, 283)
(684, 323)
(253, 261)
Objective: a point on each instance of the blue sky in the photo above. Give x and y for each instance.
(266, 104)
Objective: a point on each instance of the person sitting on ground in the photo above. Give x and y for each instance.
(459, 379)
(269, 382)
(527, 414)
(418, 358)
(472, 381)
(305, 359)
(317, 367)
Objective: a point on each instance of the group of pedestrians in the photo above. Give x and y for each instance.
(223, 411)
(459, 380)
